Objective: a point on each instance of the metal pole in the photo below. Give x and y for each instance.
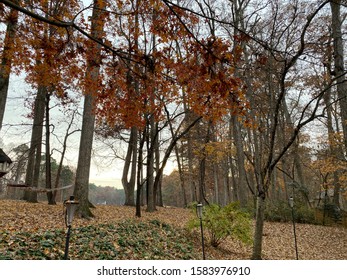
(67, 243)
(202, 240)
(295, 242)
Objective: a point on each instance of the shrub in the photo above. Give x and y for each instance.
(222, 222)
(304, 214)
(280, 211)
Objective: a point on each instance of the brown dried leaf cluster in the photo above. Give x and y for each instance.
(314, 242)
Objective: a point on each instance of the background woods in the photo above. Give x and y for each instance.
(246, 98)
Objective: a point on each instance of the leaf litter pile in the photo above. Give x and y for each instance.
(37, 231)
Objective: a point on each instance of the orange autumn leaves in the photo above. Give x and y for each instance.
(157, 60)
(43, 52)
(165, 64)
(203, 80)
(208, 77)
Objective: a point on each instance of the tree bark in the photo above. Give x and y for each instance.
(81, 190)
(34, 159)
(158, 187)
(151, 201)
(63, 151)
(130, 163)
(241, 178)
(50, 195)
(86, 142)
(6, 60)
(259, 226)
(336, 152)
(181, 174)
(139, 174)
(341, 87)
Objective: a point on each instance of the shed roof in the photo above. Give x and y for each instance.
(4, 157)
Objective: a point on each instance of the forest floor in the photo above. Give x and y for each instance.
(37, 231)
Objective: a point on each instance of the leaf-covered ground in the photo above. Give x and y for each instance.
(37, 231)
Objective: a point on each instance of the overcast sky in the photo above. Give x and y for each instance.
(16, 130)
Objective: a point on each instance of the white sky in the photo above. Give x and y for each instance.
(105, 170)
(17, 130)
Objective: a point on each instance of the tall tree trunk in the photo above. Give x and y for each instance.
(6, 60)
(131, 156)
(130, 164)
(238, 9)
(296, 153)
(241, 178)
(226, 184)
(151, 201)
(190, 177)
(50, 196)
(216, 183)
(86, 142)
(259, 225)
(63, 151)
(34, 159)
(81, 190)
(259, 196)
(140, 182)
(177, 136)
(232, 166)
(341, 87)
(336, 152)
(181, 174)
(202, 165)
(202, 175)
(152, 135)
(158, 187)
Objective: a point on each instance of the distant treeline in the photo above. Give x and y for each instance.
(106, 195)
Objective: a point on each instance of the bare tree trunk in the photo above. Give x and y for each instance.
(81, 190)
(341, 87)
(140, 182)
(299, 170)
(158, 187)
(336, 152)
(130, 163)
(202, 174)
(232, 167)
(241, 188)
(181, 174)
(50, 196)
(202, 165)
(190, 183)
(86, 142)
(296, 153)
(241, 181)
(6, 60)
(34, 159)
(151, 201)
(259, 196)
(259, 226)
(216, 183)
(60, 166)
(131, 156)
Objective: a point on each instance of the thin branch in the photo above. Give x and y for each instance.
(68, 25)
(287, 65)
